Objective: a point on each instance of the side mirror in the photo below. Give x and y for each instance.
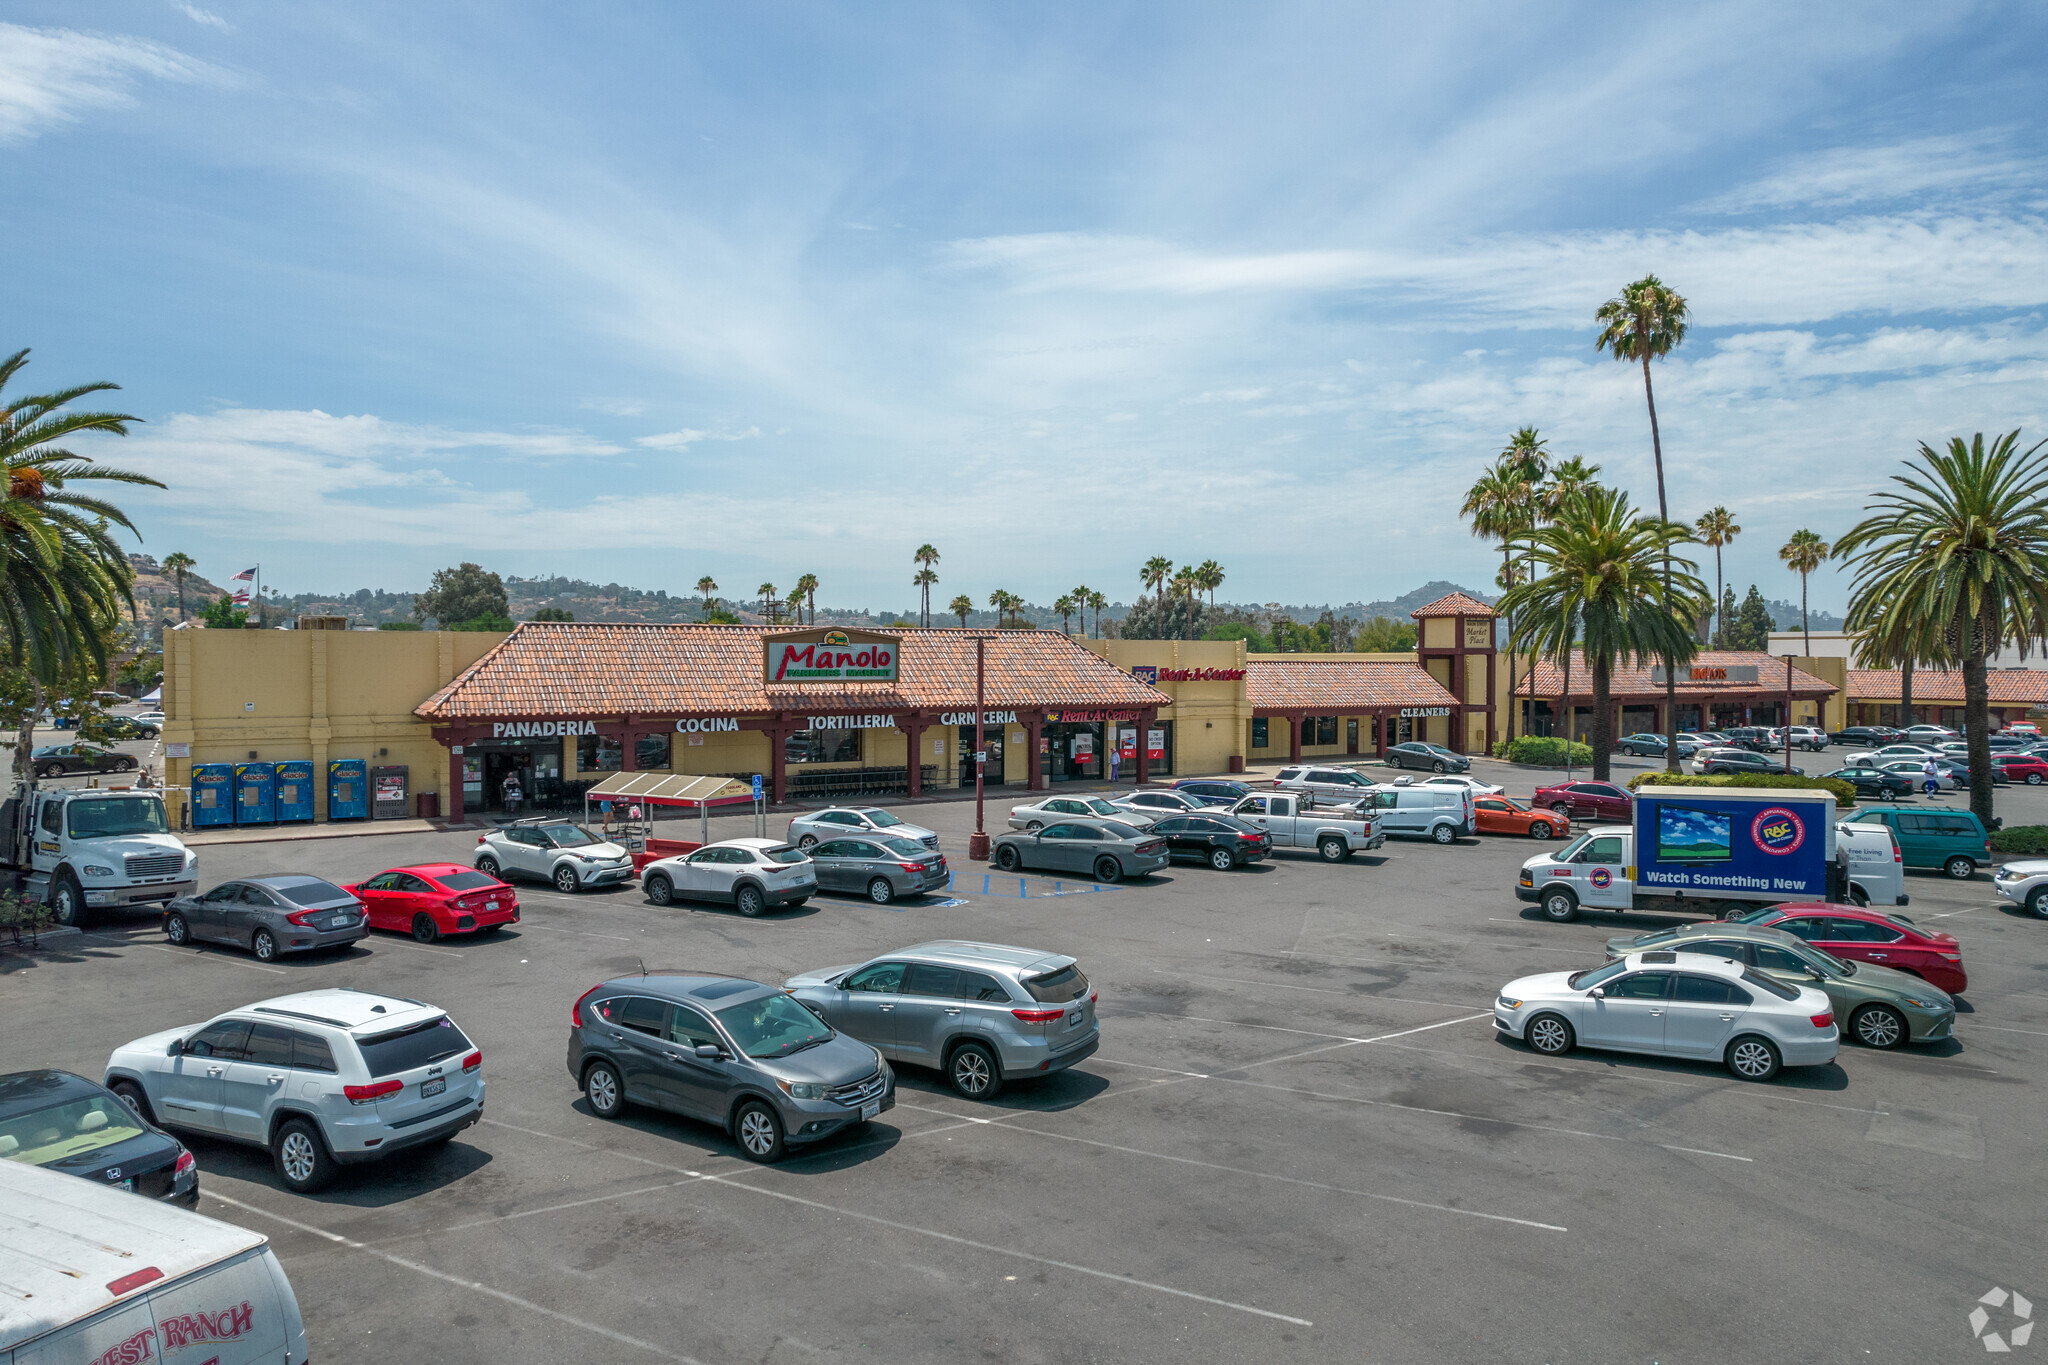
(176, 1048)
(710, 1052)
(1598, 992)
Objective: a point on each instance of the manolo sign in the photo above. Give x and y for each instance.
(829, 656)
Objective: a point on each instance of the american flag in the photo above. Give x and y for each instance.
(244, 576)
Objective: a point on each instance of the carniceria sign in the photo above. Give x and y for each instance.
(987, 718)
(829, 656)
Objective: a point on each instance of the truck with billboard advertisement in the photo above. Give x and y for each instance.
(1701, 850)
(86, 849)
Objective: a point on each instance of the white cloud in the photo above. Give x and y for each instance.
(687, 437)
(201, 16)
(49, 76)
(1921, 168)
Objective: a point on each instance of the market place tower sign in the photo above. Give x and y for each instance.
(834, 655)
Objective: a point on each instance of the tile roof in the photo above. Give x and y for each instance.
(2008, 686)
(1337, 686)
(1457, 604)
(562, 669)
(1632, 677)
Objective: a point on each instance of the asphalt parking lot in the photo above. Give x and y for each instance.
(1300, 1140)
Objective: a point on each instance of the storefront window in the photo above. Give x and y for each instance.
(651, 751)
(599, 754)
(1326, 730)
(1259, 732)
(823, 746)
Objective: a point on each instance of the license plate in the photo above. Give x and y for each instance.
(433, 1087)
(490, 905)
(1076, 1019)
(128, 1185)
(868, 1111)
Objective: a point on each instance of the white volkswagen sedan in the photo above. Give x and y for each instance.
(1708, 1008)
(747, 874)
(1051, 810)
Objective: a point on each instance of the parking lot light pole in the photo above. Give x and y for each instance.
(977, 842)
(1788, 715)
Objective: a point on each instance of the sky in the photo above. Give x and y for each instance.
(645, 292)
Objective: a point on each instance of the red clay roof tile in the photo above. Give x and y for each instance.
(1457, 604)
(2008, 686)
(1339, 686)
(1632, 677)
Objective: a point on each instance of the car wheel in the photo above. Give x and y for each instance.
(1443, 834)
(1222, 861)
(750, 901)
(1879, 1026)
(566, 881)
(1858, 897)
(2037, 902)
(131, 1095)
(1560, 905)
(1561, 808)
(1033, 826)
(881, 891)
(264, 945)
(659, 888)
(808, 842)
(1959, 867)
(602, 1089)
(1007, 859)
(488, 866)
(424, 929)
(759, 1132)
(67, 901)
(1108, 869)
(2033, 779)
(1333, 850)
(1550, 1035)
(301, 1157)
(124, 765)
(50, 770)
(1752, 1058)
(1539, 829)
(972, 1071)
(1438, 767)
(177, 930)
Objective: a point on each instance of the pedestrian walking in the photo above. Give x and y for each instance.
(1930, 777)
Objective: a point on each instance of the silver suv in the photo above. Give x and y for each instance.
(981, 1013)
(320, 1079)
(557, 851)
(1323, 785)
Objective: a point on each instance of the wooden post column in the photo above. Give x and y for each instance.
(1034, 728)
(454, 781)
(778, 770)
(1140, 760)
(913, 730)
(1294, 737)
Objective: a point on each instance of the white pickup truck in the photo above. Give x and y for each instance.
(86, 849)
(1333, 835)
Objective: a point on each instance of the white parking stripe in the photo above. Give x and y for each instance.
(477, 1286)
(579, 933)
(416, 947)
(210, 957)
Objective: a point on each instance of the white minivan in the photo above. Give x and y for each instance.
(1877, 867)
(97, 1274)
(1439, 813)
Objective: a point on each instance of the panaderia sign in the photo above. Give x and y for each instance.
(800, 656)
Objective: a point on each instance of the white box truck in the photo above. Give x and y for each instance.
(91, 1275)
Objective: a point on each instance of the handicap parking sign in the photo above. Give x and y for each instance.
(757, 786)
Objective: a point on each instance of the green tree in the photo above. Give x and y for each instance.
(1384, 635)
(807, 589)
(926, 576)
(1153, 575)
(178, 564)
(1064, 605)
(1753, 623)
(961, 606)
(1717, 529)
(1607, 575)
(1503, 506)
(1184, 588)
(1209, 577)
(1952, 564)
(553, 614)
(707, 587)
(1079, 597)
(463, 593)
(398, 625)
(1804, 552)
(223, 614)
(1726, 620)
(767, 592)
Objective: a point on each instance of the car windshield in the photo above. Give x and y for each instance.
(387, 1054)
(881, 819)
(464, 881)
(1101, 807)
(1510, 802)
(103, 816)
(66, 1130)
(773, 1026)
(312, 891)
(904, 848)
(570, 836)
(784, 853)
(1585, 981)
(1564, 855)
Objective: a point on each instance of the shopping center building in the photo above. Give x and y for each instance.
(1718, 689)
(820, 714)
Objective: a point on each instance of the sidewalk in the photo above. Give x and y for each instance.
(350, 829)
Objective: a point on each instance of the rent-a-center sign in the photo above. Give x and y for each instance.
(835, 655)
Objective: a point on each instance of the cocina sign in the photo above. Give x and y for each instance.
(830, 656)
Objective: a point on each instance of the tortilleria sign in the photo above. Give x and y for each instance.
(833, 655)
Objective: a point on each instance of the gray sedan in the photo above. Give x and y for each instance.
(879, 868)
(269, 915)
(1107, 850)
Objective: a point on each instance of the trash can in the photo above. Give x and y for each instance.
(429, 805)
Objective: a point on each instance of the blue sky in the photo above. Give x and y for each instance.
(643, 292)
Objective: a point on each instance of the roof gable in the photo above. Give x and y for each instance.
(1456, 604)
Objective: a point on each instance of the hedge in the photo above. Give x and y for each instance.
(1844, 792)
(1542, 751)
(2020, 839)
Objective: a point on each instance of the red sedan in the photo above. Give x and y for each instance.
(1887, 939)
(433, 899)
(1586, 800)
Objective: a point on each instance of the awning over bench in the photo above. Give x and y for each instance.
(670, 789)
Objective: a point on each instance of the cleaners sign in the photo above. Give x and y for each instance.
(801, 656)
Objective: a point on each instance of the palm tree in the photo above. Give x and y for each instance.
(1568, 479)
(925, 557)
(1805, 552)
(177, 564)
(1079, 597)
(1154, 576)
(1000, 599)
(1957, 558)
(1609, 577)
(1064, 605)
(1502, 506)
(706, 585)
(1184, 586)
(807, 590)
(1208, 578)
(960, 606)
(1717, 528)
(1098, 602)
(767, 593)
(795, 603)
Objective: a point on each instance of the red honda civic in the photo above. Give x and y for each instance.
(1879, 936)
(433, 899)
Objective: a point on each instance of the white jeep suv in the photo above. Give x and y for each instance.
(320, 1079)
(553, 850)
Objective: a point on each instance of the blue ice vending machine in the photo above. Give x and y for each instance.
(255, 793)
(348, 789)
(213, 795)
(294, 791)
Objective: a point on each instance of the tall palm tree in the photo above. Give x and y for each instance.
(1098, 602)
(807, 589)
(924, 558)
(1080, 599)
(1064, 605)
(706, 585)
(1607, 574)
(1957, 556)
(1805, 552)
(1498, 506)
(960, 606)
(1209, 577)
(1717, 529)
(1568, 479)
(1154, 575)
(767, 593)
(178, 564)
(1001, 599)
(795, 603)
(1184, 587)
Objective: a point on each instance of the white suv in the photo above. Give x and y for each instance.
(320, 1079)
(750, 874)
(557, 851)
(2024, 883)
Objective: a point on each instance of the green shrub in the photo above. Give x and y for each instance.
(1542, 751)
(1843, 792)
(24, 917)
(2020, 839)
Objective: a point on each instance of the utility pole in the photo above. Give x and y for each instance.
(1787, 731)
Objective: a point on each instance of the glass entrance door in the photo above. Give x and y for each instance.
(992, 736)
